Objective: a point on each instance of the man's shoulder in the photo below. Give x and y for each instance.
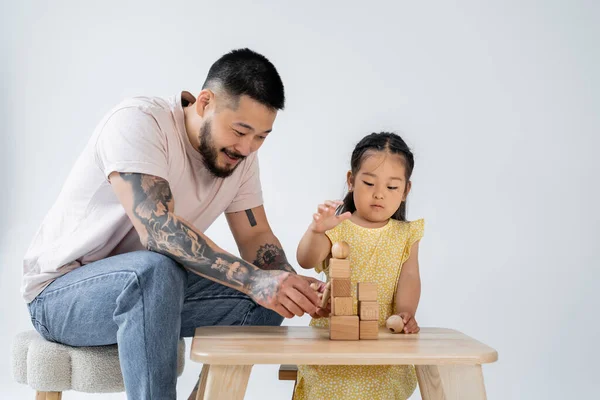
(140, 114)
(145, 104)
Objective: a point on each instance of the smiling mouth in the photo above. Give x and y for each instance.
(232, 158)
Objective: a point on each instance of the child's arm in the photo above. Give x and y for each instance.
(315, 246)
(408, 292)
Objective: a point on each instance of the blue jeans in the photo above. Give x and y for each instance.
(144, 302)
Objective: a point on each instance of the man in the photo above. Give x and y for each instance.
(121, 257)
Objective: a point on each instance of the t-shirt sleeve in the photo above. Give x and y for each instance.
(131, 141)
(416, 230)
(249, 194)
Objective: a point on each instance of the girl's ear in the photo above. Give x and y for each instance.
(407, 190)
(350, 181)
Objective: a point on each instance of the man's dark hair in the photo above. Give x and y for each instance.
(245, 72)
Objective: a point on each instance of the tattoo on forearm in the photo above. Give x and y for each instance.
(272, 257)
(177, 239)
(251, 218)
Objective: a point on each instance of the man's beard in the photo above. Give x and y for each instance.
(210, 153)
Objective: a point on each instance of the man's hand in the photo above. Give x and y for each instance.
(322, 310)
(286, 293)
(410, 323)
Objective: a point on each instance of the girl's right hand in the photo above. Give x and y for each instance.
(325, 219)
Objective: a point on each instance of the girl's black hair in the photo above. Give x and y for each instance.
(383, 141)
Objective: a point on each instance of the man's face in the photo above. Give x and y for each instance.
(230, 134)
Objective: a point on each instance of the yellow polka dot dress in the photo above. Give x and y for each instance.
(376, 255)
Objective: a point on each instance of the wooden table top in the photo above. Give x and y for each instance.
(249, 345)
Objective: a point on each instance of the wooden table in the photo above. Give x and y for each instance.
(448, 363)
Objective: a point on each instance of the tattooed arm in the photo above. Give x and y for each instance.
(256, 241)
(149, 204)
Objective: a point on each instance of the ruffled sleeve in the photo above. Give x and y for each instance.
(416, 229)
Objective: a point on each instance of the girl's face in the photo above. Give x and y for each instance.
(379, 187)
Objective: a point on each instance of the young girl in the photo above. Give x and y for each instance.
(383, 249)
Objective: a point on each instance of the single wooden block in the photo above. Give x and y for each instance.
(344, 327)
(369, 330)
(341, 287)
(326, 295)
(368, 310)
(339, 268)
(367, 291)
(340, 250)
(342, 306)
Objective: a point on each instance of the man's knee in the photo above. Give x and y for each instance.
(264, 317)
(158, 270)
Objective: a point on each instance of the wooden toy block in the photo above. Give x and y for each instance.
(369, 330)
(340, 250)
(344, 327)
(339, 268)
(341, 287)
(342, 306)
(368, 310)
(367, 291)
(326, 295)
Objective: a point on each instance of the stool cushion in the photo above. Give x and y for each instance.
(54, 367)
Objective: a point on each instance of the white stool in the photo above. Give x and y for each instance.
(51, 368)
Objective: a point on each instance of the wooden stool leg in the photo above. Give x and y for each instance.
(48, 395)
(451, 382)
(227, 382)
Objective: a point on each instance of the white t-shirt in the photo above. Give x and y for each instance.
(88, 223)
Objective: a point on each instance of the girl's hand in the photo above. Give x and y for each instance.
(410, 323)
(325, 219)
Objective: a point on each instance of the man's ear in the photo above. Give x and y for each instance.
(205, 99)
(350, 181)
(407, 191)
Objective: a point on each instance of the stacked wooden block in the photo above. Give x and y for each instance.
(368, 310)
(344, 324)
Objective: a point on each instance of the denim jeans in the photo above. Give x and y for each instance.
(144, 302)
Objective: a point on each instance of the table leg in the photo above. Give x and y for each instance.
(198, 393)
(226, 382)
(451, 382)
